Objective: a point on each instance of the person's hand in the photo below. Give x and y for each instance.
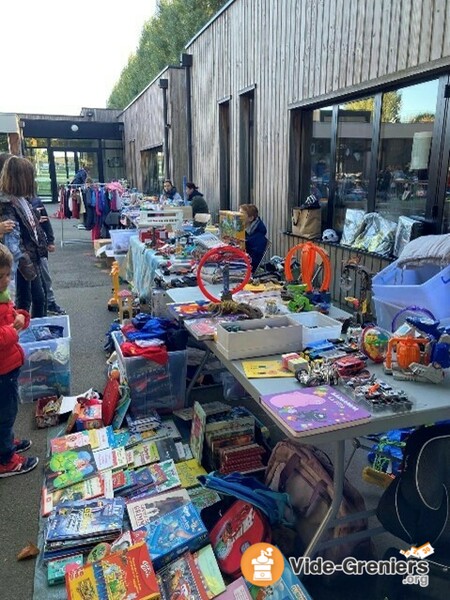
(6, 226)
(43, 219)
(51, 247)
(19, 322)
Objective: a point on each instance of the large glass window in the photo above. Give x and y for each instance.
(64, 143)
(113, 167)
(353, 157)
(406, 135)
(152, 166)
(40, 159)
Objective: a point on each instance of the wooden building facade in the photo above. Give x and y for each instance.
(155, 138)
(345, 99)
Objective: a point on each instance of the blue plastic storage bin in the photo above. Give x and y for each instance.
(46, 370)
(427, 287)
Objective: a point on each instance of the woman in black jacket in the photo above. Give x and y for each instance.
(197, 202)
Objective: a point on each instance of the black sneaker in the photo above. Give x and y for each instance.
(54, 309)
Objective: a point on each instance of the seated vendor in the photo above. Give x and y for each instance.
(198, 203)
(170, 194)
(255, 234)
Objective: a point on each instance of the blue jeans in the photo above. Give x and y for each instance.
(9, 405)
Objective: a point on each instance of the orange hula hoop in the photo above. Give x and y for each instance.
(308, 261)
(239, 254)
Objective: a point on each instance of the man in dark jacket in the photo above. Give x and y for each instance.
(255, 234)
(197, 201)
(44, 221)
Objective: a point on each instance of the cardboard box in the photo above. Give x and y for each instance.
(99, 243)
(259, 337)
(232, 228)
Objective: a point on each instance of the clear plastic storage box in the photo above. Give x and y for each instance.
(153, 386)
(120, 239)
(316, 326)
(46, 370)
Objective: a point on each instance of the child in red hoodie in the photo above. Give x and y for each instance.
(11, 359)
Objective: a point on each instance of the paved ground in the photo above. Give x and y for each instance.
(83, 289)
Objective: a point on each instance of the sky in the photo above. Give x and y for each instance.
(60, 56)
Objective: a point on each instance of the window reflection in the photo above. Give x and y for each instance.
(406, 132)
(353, 155)
(318, 160)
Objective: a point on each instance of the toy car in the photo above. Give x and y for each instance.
(348, 366)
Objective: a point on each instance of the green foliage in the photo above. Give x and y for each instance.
(163, 39)
(390, 111)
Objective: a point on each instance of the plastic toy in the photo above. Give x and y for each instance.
(349, 366)
(224, 257)
(318, 374)
(404, 351)
(308, 267)
(374, 343)
(351, 272)
(113, 302)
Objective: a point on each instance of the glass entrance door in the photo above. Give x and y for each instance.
(41, 162)
(64, 166)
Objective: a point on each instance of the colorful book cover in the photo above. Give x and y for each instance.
(172, 534)
(85, 490)
(83, 518)
(202, 497)
(289, 587)
(321, 408)
(209, 571)
(121, 409)
(168, 449)
(238, 590)
(180, 580)
(256, 369)
(56, 569)
(172, 480)
(145, 453)
(188, 471)
(70, 442)
(124, 574)
(69, 467)
(232, 228)
(151, 507)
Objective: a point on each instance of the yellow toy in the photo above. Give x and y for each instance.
(113, 302)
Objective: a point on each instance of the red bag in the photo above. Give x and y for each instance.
(241, 526)
(111, 397)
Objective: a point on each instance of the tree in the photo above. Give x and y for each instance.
(423, 118)
(390, 111)
(163, 39)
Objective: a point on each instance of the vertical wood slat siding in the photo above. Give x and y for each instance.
(291, 51)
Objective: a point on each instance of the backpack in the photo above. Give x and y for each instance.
(241, 526)
(306, 474)
(416, 505)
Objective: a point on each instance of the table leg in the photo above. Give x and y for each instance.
(197, 373)
(338, 488)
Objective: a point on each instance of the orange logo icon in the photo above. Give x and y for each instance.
(262, 564)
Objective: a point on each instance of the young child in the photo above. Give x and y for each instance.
(11, 359)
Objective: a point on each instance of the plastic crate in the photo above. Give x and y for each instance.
(46, 370)
(153, 386)
(120, 239)
(316, 326)
(427, 287)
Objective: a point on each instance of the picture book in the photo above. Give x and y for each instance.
(69, 467)
(321, 408)
(122, 542)
(254, 369)
(145, 453)
(174, 533)
(209, 571)
(180, 579)
(107, 483)
(124, 574)
(238, 590)
(172, 479)
(70, 441)
(202, 497)
(188, 471)
(83, 518)
(121, 409)
(168, 449)
(151, 507)
(232, 228)
(56, 569)
(289, 587)
(84, 490)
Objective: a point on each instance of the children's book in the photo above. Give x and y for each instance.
(124, 574)
(255, 369)
(209, 571)
(289, 587)
(84, 518)
(168, 449)
(180, 579)
(70, 441)
(172, 480)
(201, 414)
(172, 534)
(202, 497)
(145, 453)
(188, 471)
(238, 590)
(69, 467)
(85, 490)
(151, 507)
(321, 408)
(56, 569)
